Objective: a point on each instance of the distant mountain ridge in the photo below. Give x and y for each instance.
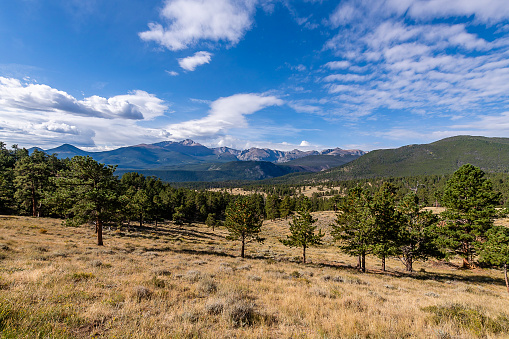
(437, 158)
(185, 152)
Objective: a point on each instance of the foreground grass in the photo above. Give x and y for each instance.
(187, 282)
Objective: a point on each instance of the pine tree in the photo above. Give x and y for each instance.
(88, 190)
(211, 221)
(386, 223)
(31, 178)
(417, 237)
(470, 202)
(303, 233)
(495, 250)
(354, 225)
(243, 221)
(272, 206)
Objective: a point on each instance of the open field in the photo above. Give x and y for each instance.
(188, 282)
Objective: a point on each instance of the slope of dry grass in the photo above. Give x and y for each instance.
(188, 282)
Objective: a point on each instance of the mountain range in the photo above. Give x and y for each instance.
(190, 161)
(437, 158)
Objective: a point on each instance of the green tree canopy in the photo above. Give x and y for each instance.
(417, 237)
(303, 233)
(353, 229)
(470, 203)
(495, 250)
(243, 221)
(89, 191)
(386, 222)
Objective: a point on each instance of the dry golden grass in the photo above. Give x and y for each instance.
(187, 282)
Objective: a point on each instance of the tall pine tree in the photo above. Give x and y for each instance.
(470, 210)
(353, 229)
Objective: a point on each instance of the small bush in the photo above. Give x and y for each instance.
(214, 306)
(96, 263)
(193, 276)
(159, 283)
(141, 292)
(81, 276)
(468, 318)
(242, 313)
(208, 286)
(162, 272)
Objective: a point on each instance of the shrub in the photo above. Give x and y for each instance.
(468, 318)
(242, 313)
(81, 276)
(141, 292)
(215, 306)
(208, 286)
(159, 283)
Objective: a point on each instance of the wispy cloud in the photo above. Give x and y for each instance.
(188, 22)
(224, 115)
(391, 55)
(198, 59)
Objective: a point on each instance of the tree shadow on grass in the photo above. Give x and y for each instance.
(425, 276)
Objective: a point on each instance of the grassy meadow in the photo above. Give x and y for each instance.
(188, 282)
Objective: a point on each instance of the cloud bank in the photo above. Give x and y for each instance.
(40, 115)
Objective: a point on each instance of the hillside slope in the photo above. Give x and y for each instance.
(441, 157)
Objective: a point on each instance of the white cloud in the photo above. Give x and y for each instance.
(225, 114)
(484, 11)
(137, 105)
(198, 59)
(172, 73)
(33, 114)
(334, 65)
(305, 143)
(188, 22)
(416, 65)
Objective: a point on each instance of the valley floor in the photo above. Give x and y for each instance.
(188, 282)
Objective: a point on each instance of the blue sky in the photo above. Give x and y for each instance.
(284, 74)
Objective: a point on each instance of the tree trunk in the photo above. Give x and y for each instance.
(34, 207)
(243, 246)
(99, 227)
(505, 275)
(363, 266)
(359, 264)
(466, 264)
(383, 263)
(303, 254)
(409, 264)
(141, 221)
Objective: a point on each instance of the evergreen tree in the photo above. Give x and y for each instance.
(303, 233)
(31, 178)
(89, 191)
(243, 221)
(272, 206)
(470, 202)
(7, 162)
(386, 223)
(417, 237)
(495, 250)
(354, 225)
(211, 221)
(286, 207)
